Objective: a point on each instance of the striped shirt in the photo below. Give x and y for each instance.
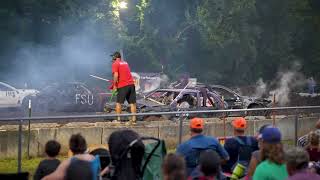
(303, 141)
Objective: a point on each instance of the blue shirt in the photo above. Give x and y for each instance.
(232, 146)
(191, 149)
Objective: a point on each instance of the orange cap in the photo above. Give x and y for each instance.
(239, 123)
(196, 123)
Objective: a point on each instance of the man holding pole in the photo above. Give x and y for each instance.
(123, 83)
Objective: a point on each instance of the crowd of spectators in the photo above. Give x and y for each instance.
(259, 157)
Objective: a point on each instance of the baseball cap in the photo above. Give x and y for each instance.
(271, 135)
(239, 123)
(263, 128)
(115, 55)
(196, 123)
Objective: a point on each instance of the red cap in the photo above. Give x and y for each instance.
(196, 123)
(239, 123)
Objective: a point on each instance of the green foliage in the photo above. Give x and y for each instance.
(217, 41)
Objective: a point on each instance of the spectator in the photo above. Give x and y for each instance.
(79, 170)
(198, 142)
(240, 147)
(50, 164)
(255, 157)
(78, 147)
(313, 148)
(304, 141)
(272, 166)
(174, 167)
(297, 161)
(209, 166)
(126, 150)
(311, 85)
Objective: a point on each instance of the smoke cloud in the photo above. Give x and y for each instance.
(72, 58)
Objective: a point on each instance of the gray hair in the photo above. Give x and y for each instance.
(297, 158)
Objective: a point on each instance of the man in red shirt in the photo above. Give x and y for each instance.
(123, 84)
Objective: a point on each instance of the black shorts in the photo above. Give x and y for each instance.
(127, 93)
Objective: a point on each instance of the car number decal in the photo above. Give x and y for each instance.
(10, 93)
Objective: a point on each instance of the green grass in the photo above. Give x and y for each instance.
(29, 165)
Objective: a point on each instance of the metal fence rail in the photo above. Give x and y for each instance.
(181, 114)
(155, 113)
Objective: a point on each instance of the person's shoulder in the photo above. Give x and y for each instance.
(184, 147)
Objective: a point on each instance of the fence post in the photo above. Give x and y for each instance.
(180, 129)
(28, 148)
(19, 145)
(296, 118)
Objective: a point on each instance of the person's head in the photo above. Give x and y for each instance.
(313, 139)
(296, 159)
(79, 170)
(272, 148)
(77, 144)
(52, 148)
(239, 125)
(259, 133)
(174, 167)
(123, 156)
(318, 124)
(116, 55)
(196, 126)
(209, 162)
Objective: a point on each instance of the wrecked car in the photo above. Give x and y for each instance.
(68, 97)
(11, 97)
(166, 100)
(234, 100)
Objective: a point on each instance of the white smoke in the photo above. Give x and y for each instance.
(261, 88)
(286, 83)
(282, 91)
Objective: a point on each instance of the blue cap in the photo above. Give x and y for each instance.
(271, 135)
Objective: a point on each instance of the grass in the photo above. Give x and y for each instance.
(10, 165)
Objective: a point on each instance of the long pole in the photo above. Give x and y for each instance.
(296, 119)
(29, 131)
(224, 120)
(273, 113)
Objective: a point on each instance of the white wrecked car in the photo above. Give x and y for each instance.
(10, 97)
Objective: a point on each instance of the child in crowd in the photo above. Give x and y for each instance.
(50, 164)
(313, 147)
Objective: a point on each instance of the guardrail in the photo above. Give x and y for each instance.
(182, 115)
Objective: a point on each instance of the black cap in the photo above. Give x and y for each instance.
(115, 55)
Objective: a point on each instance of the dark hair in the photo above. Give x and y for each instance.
(79, 170)
(77, 144)
(127, 162)
(174, 167)
(209, 162)
(198, 131)
(116, 55)
(52, 148)
(239, 130)
(263, 127)
(272, 152)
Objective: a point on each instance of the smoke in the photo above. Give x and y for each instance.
(73, 57)
(281, 87)
(282, 91)
(261, 88)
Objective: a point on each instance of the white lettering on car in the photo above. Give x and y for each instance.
(84, 99)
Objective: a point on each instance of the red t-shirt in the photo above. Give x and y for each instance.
(125, 77)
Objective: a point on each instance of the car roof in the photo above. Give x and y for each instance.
(177, 90)
(224, 87)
